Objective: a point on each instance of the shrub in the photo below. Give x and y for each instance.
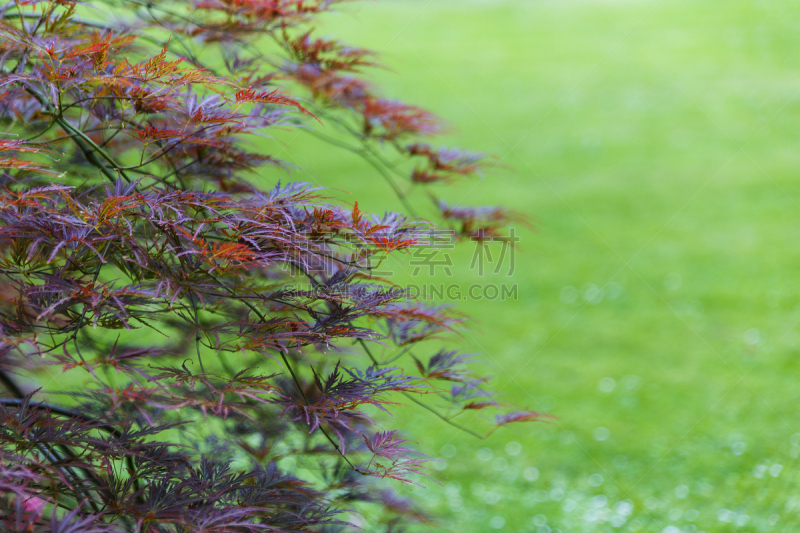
(171, 328)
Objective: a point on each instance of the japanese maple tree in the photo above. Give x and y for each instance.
(176, 322)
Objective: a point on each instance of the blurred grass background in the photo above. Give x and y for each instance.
(655, 143)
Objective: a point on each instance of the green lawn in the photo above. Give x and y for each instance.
(655, 143)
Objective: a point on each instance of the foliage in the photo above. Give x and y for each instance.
(219, 326)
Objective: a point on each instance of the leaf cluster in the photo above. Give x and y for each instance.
(222, 351)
